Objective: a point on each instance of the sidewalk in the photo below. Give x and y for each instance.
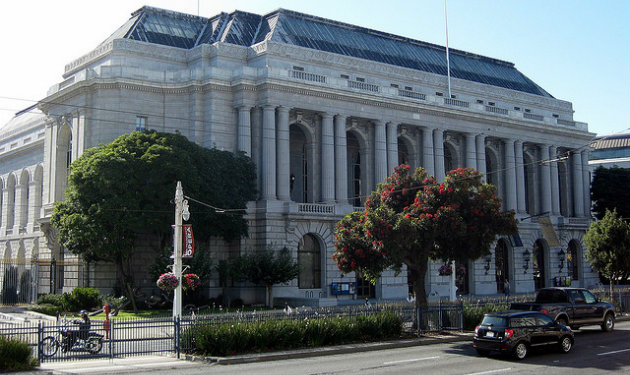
(132, 364)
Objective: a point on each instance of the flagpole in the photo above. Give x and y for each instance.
(448, 64)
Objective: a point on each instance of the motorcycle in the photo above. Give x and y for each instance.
(61, 339)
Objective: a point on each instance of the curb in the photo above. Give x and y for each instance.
(328, 350)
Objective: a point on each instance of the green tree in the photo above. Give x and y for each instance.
(608, 247)
(609, 191)
(269, 267)
(411, 218)
(125, 188)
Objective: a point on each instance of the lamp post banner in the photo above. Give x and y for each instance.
(189, 241)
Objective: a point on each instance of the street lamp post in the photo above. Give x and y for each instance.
(181, 213)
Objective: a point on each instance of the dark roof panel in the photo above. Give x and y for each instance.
(180, 30)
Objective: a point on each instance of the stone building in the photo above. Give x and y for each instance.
(326, 110)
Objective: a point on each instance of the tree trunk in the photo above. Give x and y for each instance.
(269, 296)
(418, 272)
(612, 289)
(127, 286)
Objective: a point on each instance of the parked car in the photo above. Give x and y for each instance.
(574, 307)
(517, 332)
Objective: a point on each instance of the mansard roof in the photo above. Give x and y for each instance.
(180, 30)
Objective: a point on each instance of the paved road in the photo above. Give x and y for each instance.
(595, 352)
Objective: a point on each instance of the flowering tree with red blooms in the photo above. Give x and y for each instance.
(412, 218)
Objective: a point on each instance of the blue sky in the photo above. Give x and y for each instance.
(577, 50)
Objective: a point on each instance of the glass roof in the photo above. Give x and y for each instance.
(180, 30)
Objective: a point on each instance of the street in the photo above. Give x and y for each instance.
(594, 352)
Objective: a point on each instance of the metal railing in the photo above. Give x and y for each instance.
(132, 337)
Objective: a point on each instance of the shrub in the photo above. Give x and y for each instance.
(46, 308)
(246, 337)
(81, 298)
(52, 299)
(15, 355)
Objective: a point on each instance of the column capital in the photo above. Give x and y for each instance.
(325, 115)
(283, 109)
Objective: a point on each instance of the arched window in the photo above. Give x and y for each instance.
(355, 185)
(64, 159)
(539, 264)
(449, 163)
(530, 184)
(299, 165)
(10, 219)
(573, 260)
(501, 265)
(309, 260)
(564, 191)
(403, 153)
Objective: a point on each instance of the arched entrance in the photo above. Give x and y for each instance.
(573, 260)
(501, 264)
(539, 264)
(309, 260)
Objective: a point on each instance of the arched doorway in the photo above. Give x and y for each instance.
(573, 260)
(309, 260)
(539, 264)
(501, 265)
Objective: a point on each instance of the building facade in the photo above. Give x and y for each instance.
(325, 110)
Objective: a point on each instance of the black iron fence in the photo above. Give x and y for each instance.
(53, 341)
(441, 316)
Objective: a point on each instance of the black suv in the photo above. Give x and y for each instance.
(516, 332)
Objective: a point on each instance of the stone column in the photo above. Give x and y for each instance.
(428, 154)
(20, 208)
(341, 160)
(283, 155)
(256, 122)
(392, 147)
(510, 175)
(578, 184)
(545, 180)
(481, 155)
(244, 142)
(521, 205)
(380, 153)
(438, 147)
(471, 152)
(555, 185)
(328, 159)
(586, 183)
(269, 153)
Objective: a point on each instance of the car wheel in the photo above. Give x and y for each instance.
(609, 323)
(520, 351)
(566, 344)
(482, 353)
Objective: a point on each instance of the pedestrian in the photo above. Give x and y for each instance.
(506, 288)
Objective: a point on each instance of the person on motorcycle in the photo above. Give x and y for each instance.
(83, 332)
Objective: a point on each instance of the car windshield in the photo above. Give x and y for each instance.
(495, 321)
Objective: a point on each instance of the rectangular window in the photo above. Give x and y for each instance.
(141, 123)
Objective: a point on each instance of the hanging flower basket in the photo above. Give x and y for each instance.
(190, 282)
(445, 270)
(167, 282)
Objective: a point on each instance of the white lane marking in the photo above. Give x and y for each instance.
(409, 360)
(490, 372)
(615, 352)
